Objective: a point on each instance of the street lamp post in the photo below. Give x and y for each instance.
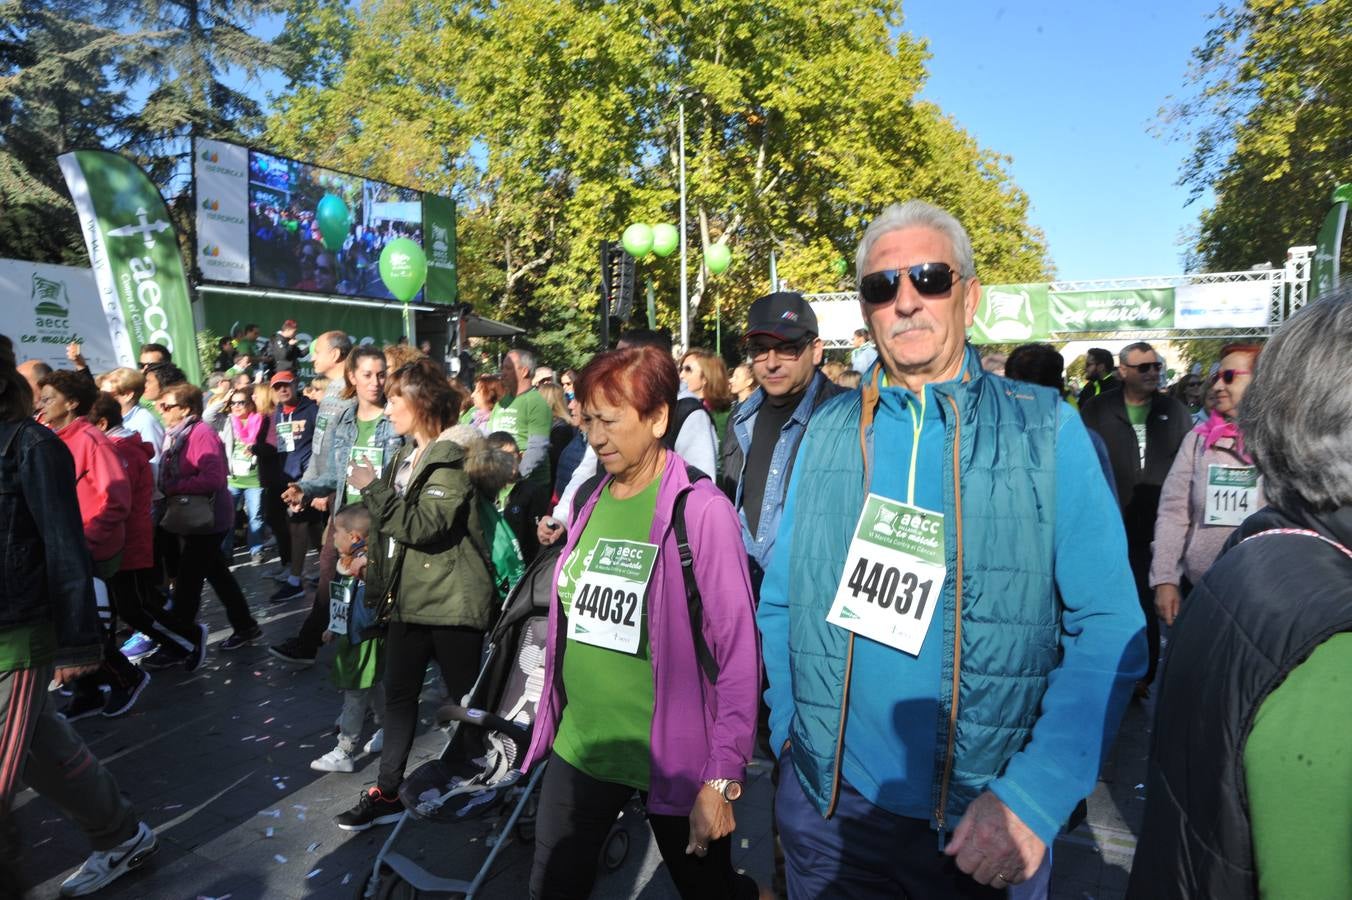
(680, 149)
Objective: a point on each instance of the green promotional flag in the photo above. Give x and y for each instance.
(1011, 314)
(439, 239)
(1125, 310)
(133, 250)
(1329, 246)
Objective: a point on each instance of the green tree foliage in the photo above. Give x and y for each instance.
(554, 124)
(55, 96)
(1270, 118)
(138, 76)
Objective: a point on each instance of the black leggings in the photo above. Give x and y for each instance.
(576, 813)
(408, 650)
(200, 557)
(137, 604)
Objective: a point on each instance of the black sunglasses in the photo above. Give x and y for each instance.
(1228, 375)
(930, 280)
(1147, 368)
(758, 351)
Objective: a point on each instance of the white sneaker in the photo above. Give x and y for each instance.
(377, 742)
(105, 866)
(336, 760)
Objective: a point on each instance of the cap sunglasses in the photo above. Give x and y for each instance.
(932, 279)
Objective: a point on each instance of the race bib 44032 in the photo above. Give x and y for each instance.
(894, 574)
(607, 608)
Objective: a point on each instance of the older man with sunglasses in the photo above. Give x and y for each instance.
(947, 661)
(1142, 429)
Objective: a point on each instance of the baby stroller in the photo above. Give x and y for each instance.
(476, 774)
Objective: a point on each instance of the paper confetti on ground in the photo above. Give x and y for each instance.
(312, 848)
(313, 873)
(275, 813)
(279, 858)
(267, 832)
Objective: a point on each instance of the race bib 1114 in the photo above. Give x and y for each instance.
(894, 574)
(1231, 494)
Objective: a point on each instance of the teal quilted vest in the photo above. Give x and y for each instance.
(999, 535)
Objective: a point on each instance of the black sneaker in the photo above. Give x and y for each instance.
(290, 651)
(121, 700)
(287, 592)
(374, 808)
(163, 658)
(199, 652)
(82, 706)
(242, 638)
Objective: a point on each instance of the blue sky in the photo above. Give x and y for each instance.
(1069, 89)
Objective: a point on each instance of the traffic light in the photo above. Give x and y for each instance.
(617, 289)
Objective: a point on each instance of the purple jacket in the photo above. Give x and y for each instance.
(202, 469)
(699, 731)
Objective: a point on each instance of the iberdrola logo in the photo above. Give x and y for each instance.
(208, 156)
(210, 204)
(211, 250)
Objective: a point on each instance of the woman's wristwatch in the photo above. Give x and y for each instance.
(731, 790)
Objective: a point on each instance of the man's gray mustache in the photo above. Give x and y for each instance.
(901, 326)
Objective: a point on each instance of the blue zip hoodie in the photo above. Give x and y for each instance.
(894, 698)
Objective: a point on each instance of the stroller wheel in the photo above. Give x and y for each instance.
(525, 824)
(386, 886)
(615, 850)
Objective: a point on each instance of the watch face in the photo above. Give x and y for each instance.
(733, 791)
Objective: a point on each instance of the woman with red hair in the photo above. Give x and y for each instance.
(1211, 488)
(639, 694)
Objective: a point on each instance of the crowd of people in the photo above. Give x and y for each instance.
(926, 591)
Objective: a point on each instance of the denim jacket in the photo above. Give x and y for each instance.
(46, 574)
(760, 545)
(333, 477)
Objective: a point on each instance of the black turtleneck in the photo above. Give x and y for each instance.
(771, 418)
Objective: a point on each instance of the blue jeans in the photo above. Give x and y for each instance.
(253, 510)
(863, 852)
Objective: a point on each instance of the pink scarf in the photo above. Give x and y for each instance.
(1217, 427)
(247, 428)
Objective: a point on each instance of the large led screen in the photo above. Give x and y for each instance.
(313, 229)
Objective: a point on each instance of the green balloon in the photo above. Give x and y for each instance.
(717, 258)
(637, 240)
(403, 268)
(840, 266)
(334, 221)
(665, 239)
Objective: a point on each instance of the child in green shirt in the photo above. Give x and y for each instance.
(358, 666)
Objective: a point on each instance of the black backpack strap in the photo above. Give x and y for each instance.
(685, 407)
(587, 490)
(694, 603)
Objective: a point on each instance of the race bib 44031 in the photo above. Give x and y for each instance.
(607, 608)
(894, 574)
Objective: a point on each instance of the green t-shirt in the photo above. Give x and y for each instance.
(365, 447)
(1298, 771)
(524, 417)
(606, 729)
(1137, 415)
(243, 466)
(27, 646)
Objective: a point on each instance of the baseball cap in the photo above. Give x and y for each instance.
(784, 315)
(282, 378)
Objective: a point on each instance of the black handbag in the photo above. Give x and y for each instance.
(189, 514)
